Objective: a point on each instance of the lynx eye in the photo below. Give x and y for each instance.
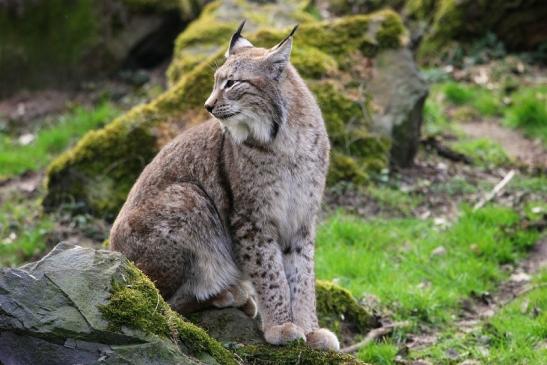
(229, 84)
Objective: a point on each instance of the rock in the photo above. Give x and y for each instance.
(60, 42)
(520, 25)
(520, 277)
(357, 66)
(80, 305)
(399, 96)
(438, 251)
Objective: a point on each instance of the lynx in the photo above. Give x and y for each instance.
(225, 214)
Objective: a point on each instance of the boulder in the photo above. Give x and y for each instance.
(59, 42)
(86, 306)
(363, 77)
(449, 24)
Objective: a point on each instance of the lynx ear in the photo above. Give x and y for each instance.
(278, 56)
(237, 41)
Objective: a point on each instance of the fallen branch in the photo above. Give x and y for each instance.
(374, 334)
(494, 192)
(444, 151)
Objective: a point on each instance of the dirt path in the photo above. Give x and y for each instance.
(482, 306)
(517, 147)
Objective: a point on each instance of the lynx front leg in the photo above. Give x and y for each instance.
(299, 269)
(262, 261)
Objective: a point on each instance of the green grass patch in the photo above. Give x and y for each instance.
(22, 230)
(51, 140)
(484, 101)
(457, 93)
(393, 259)
(519, 331)
(394, 199)
(515, 335)
(484, 152)
(528, 112)
(382, 353)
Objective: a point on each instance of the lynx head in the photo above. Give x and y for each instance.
(246, 96)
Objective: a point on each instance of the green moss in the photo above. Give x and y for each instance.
(391, 31)
(356, 152)
(420, 9)
(338, 110)
(448, 19)
(348, 35)
(312, 63)
(335, 302)
(452, 26)
(345, 168)
(294, 354)
(136, 303)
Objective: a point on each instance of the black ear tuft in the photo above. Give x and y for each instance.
(237, 34)
(293, 30)
(289, 36)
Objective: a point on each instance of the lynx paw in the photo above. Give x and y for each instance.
(283, 334)
(250, 308)
(323, 339)
(239, 297)
(224, 299)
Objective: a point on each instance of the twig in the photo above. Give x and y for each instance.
(374, 334)
(446, 152)
(497, 189)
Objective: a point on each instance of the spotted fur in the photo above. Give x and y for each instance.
(235, 199)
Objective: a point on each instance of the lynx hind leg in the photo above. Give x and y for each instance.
(240, 296)
(179, 241)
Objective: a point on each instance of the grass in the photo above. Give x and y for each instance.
(381, 353)
(395, 261)
(519, 330)
(528, 112)
(49, 141)
(484, 101)
(516, 334)
(371, 257)
(483, 151)
(22, 230)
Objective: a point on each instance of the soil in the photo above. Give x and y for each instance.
(523, 150)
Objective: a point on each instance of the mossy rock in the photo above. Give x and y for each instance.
(336, 57)
(97, 307)
(456, 23)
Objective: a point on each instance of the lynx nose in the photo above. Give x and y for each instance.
(209, 107)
